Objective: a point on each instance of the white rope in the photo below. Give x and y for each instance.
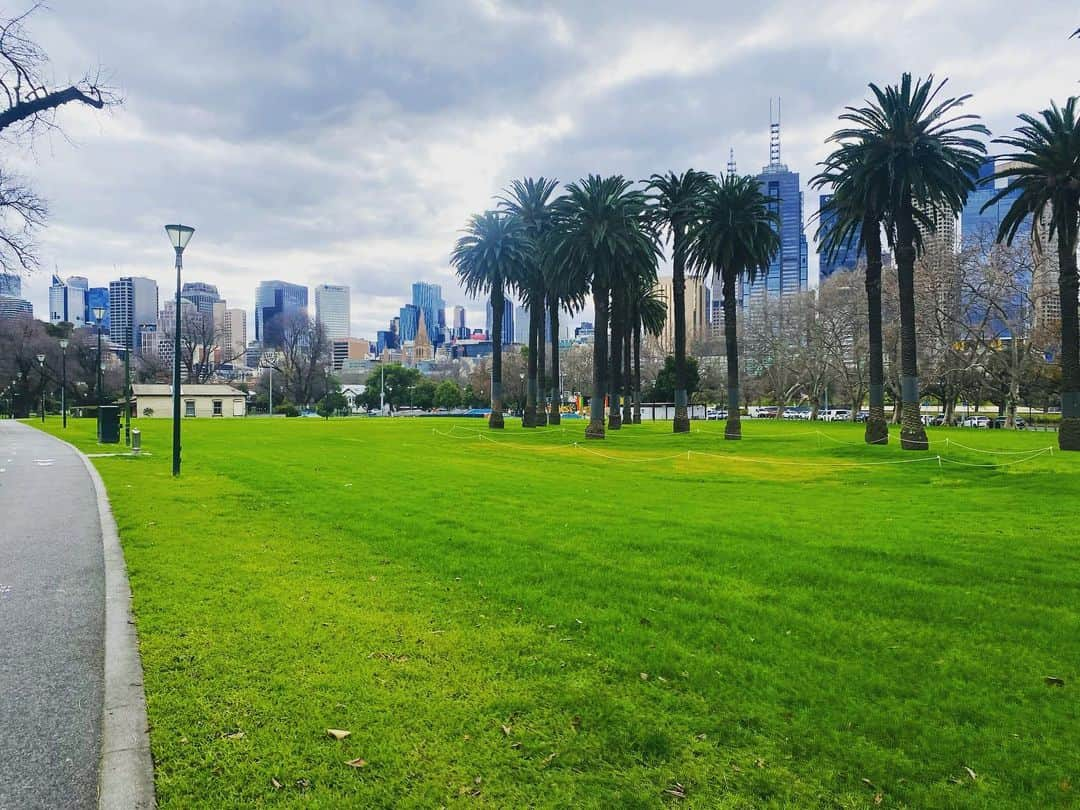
(954, 443)
(1034, 455)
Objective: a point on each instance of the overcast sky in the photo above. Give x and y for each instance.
(347, 142)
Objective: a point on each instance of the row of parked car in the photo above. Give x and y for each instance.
(844, 415)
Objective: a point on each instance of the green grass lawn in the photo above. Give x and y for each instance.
(520, 622)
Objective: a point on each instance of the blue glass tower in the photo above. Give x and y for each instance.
(847, 257)
(428, 297)
(974, 222)
(98, 297)
(409, 322)
(787, 274)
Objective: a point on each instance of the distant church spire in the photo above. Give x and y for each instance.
(731, 169)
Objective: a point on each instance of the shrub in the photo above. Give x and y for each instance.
(287, 409)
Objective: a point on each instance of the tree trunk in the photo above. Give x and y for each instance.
(681, 423)
(555, 416)
(637, 368)
(1069, 432)
(496, 418)
(618, 317)
(877, 427)
(733, 428)
(541, 362)
(595, 430)
(528, 418)
(912, 432)
(628, 379)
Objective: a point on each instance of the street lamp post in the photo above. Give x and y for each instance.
(41, 367)
(63, 378)
(99, 316)
(179, 236)
(127, 394)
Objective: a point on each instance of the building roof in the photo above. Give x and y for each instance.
(159, 390)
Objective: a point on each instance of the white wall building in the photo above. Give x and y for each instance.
(332, 309)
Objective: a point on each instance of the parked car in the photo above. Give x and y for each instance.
(937, 421)
(715, 413)
(862, 416)
(976, 421)
(835, 415)
(796, 413)
(1001, 420)
(766, 412)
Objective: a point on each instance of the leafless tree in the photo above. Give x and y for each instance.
(302, 358)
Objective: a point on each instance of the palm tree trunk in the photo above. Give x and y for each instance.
(877, 427)
(681, 423)
(1069, 432)
(637, 366)
(733, 428)
(556, 392)
(912, 432)
(628, 379)
(617, 318)
(595, 430)
(528, 417)
(496, 418)
(541, 362)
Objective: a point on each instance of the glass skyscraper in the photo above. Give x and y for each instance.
(272, 299)
(428, 298)
(409, 322)
(974, 222)
(507, 324)
(847, 257)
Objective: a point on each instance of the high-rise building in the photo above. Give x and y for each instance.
(343, 349)
(428, 298)
(507, 324)
(787, 273)
(385, 339)
(202, 295)
(978, 224)
(274, 300)
(332, 309)
(67, 301)
(12, 307)
(10, 285)
(847, 256)
(460, 331)
(521, 325)
(697, 297)
(97, 297)
(133, 302)
(235, 338)
(408, 321)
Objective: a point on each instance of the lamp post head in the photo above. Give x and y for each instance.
(64, 344)
(41, 359)
(99, 314)
(179, 236)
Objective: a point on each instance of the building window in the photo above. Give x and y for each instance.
(189, 407)
(217, 407)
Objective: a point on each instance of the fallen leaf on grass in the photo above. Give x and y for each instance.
(700, 737)
(547, 760)
(644, 676)
(1054, 681)
(238, 735)
(676, 790)
(515, 745)
(868, 783)
(879, 798)
(506, 731)
(970, 773)
(277, 785)
(357, 763)
(338, 733)
(760, 763)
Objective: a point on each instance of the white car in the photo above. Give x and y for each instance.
(836, 415)
(976, 422)
(715, 413)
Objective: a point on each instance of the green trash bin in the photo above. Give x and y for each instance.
(110, 424)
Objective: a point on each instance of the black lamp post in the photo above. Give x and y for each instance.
(179, 236)
(63, 378)
(41, 368)
(99, 316)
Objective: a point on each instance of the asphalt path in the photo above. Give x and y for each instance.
(52, 624)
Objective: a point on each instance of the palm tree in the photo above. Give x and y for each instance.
(563, 293)
(1045, 170)
(855, 214)
(529, 201)
(650, 313)
(493, 251)
(927, 154)
(676, 199)
(597, 229)
(737, 235)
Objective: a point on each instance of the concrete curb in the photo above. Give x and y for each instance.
(126, 770)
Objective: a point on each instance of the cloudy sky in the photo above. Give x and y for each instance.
(347, 142)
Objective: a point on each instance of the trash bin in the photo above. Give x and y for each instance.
(109, 425)
(136, 440)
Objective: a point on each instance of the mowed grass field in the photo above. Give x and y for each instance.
(510, 620)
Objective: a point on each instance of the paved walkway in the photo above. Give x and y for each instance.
(52, 624)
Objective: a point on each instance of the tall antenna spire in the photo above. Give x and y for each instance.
(731, 170)
(774, 134)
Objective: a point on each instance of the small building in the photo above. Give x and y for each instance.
(213, 401)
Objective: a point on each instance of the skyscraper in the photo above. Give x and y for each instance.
(408, 321)
(978, 224)
(460, 331)
(133, 303)
(428, 297)
(521, 325)
(697, 297)
(202, 295)
(332, 309)
(787, 273)
(67, 301)
(10, 285)
(847, 257)
(274, 299)
(12, 307)
(236, 334)
(97, 297)
(507, 324)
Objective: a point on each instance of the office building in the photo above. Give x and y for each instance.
(521, 325)
(235, 338)
(97, 297)
(12, 307)
(788, 271)
(459, 330)
(408, 321)
(428, 299)
(133, 302)
(847, 256)
(202, 295)
(349, 349)
(976, 224)
(273, 301)
(11, 285)
(385, 339)
(332, 309)
(697, 298)
(507, 324)
(67, 301)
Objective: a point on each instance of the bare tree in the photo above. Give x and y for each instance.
(843, 330)
(302, 358)
(31, 105)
